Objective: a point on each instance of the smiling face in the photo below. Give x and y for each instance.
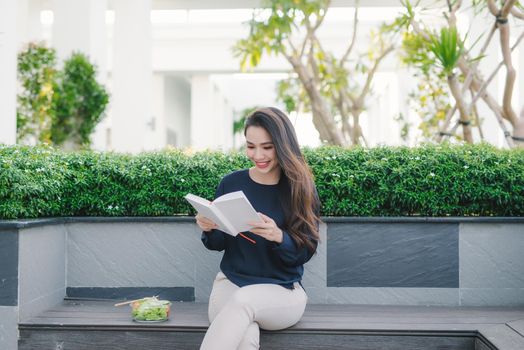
(261, 150)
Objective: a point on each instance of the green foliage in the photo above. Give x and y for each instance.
(447, 48)
(441, 180)
(269, 33)
(415, 51)
(333, 88)
(37, 79)
(292, 95)
(444, 180)
(430, 100)
(57, 107)
(80, 102)
(238, 125)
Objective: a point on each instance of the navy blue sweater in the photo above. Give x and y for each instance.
(245, 263)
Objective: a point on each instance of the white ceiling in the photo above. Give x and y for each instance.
(235, 4)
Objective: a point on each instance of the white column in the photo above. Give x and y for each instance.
(8, 52)
(29, 24)
(177, 102)
(80, 25)
(202, 124)
(159, 131)
(211, 117)
(132, 76)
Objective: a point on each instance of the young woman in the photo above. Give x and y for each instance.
(259, 282)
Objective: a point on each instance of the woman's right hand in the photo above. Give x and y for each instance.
(204, 223)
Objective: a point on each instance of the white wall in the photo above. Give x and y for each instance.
(177, 95)
(8, 50)
(131, 102)
(196, 49)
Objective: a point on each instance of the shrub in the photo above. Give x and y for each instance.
(443, 180)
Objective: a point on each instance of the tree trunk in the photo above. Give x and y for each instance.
(322, 119)
(356, 133)
(518, 130)
(461, 106)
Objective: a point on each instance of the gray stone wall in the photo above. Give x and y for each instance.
(42, 272)
(8, 327)
(402, 262)
(120, 255)
(9, 267)
(398, 261)
(492, 264)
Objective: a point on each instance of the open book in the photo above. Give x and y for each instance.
(231, 211)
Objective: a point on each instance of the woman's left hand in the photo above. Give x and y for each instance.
(267, 229)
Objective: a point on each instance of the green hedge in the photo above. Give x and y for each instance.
(477, 180)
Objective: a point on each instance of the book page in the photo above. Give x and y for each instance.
(237, 210)
(205, 208)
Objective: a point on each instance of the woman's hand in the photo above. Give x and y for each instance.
(204, 223)
(267, 229)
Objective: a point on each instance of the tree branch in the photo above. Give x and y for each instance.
(461, 106)
(416, 27)
(371, 73)
(469, 77)
(481, 91)
(517, 13)
(452, 19)
(511, 74)
(353, 38)
(477, 118)
(447, 121)
(321, 18)
(493, 8)
(506, 8)
(490, 101)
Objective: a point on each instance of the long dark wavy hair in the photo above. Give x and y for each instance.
(298, 195)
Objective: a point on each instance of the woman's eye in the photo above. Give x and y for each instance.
(268, 148)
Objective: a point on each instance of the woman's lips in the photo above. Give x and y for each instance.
(262, 165)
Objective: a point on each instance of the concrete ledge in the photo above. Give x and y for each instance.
(6, 224)
(479, 261)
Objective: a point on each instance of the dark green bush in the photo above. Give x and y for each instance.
(477, 180)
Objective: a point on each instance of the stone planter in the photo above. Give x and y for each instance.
(398, 261)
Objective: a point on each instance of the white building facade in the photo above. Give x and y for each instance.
(172, 78)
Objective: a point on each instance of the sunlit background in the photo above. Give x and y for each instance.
(174, 82)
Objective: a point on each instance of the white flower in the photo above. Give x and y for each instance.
(466, 167)
(432, 174)
(110, 207)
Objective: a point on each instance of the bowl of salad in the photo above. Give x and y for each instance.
(150, 310)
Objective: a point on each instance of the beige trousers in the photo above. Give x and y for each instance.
(237, 313)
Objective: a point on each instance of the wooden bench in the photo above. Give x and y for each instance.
(89, 324)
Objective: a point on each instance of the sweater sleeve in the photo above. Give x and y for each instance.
(215, 239)
(290, 254)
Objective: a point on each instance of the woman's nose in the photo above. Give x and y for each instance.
(258, 154)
